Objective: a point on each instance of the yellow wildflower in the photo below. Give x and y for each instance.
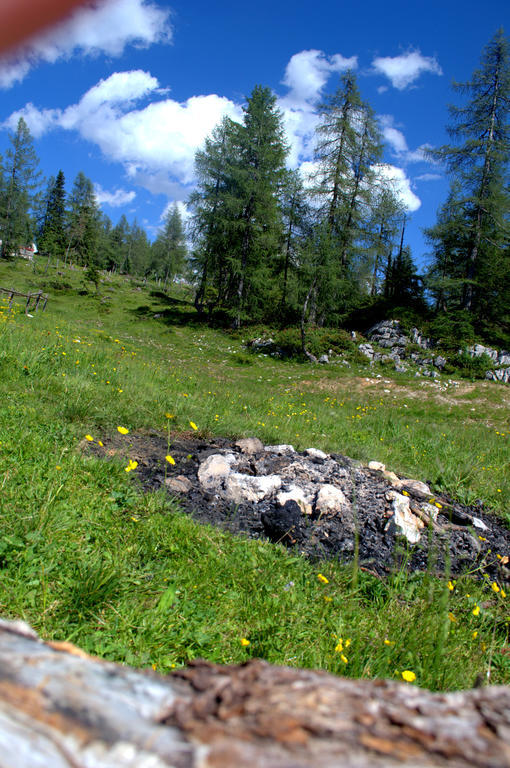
(193, 425)
(170, 459)
(476, 610)
(408, 676)
(451, 617)
(475, 634)
(244, 642)
(495, 587)
(89, 438)
(122, 430)
(451, 586)
(322, 579)
(100, 443)
(344, 658)
(132, 465)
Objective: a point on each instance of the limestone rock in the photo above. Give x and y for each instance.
(294, 493)
(315, 453)
(213, 471)
(409, 524)
(240, 488)
(331, 500)
(179, 484)
(280, 450)
(250, 445)
(376, 466)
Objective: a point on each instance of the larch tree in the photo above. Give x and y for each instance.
(18, 193)
(83, 230)
(478, 163)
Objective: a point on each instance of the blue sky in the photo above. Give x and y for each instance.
(127, 92)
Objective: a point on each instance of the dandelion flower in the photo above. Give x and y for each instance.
(132, 465)
(193, 425)
(344, 658)
(495, 587)
(170, 459)
(476, 610)
(451, 586)
(89, 438)
(475, 634)
(322, 579)
(123, 430)
(100, 443)
(408, 676)
(244, 642)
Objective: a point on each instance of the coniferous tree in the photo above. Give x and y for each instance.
(52, 236)
(83, 222)
(479, 166)
(169, 248)
(18, 197)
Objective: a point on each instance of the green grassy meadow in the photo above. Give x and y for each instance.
(86, 556)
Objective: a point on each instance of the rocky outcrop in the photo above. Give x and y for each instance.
(392, 346)
(61, 708)
(500, 358)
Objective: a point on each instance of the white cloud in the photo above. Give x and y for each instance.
(113, 199)
(397, 179)
(106, 28)
(392, 135)
(156, 143)
(403, 70)
(429, 177)
(307, 73)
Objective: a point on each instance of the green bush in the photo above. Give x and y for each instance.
(462, 364)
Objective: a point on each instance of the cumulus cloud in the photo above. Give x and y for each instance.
(306, 75)
(113, 199)
(398, 144)
(397, 179)
(403, 70)
(105, 28)
(156, 143)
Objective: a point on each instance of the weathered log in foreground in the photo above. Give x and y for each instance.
(60, 708)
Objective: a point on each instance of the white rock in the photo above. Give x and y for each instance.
(391, 477)
(480, 524)
(214, 470)
(250, 445)
(240, 488)
(314, 453)
(330, 499)
(409, 524)
(281, 450)
(377, 466)
(298, 495)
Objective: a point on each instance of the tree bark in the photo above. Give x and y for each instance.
(61, 708)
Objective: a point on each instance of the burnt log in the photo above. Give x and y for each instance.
(61, 708)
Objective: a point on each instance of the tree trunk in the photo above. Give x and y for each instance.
(307, 354)
(60, 708)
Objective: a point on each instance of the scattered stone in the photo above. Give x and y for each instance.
(431, 510)
(294, 493)
(323, 359)
(314, 453)
(250, 445)
(377, 466)
(213, 471)
(440, 362)
(391, 477)
(280, 450)
(480, 524)
(331, 500)
(179, 484)
(240, 488)
(409, 523)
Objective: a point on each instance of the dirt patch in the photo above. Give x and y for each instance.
(469, 537)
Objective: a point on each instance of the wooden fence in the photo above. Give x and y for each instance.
(36, 298)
